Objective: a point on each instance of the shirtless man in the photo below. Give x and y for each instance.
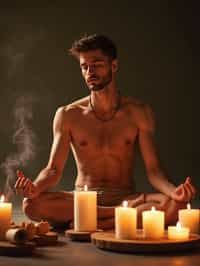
(102, 130)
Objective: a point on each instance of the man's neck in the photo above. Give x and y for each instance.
(106, 100)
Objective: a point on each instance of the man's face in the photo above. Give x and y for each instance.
(97, 69)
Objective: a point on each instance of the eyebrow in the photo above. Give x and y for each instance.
(94, 61)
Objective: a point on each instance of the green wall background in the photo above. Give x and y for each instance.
(158, 44)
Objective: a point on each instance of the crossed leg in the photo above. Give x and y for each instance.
(51, 206)
(57, 208)
(142, 202)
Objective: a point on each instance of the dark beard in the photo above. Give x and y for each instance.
(103, 84)
(100, 87)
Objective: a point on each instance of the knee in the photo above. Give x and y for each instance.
(29, 208)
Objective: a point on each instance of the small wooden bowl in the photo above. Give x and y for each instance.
(80, 235)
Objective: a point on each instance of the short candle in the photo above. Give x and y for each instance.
(153, 222)
(125, 222)
(178, 232)
(190, 218)
(85, 210)
(5, 217)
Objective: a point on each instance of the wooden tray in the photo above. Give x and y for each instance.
(107, 241)
(10, 249)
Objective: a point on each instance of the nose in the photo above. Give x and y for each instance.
(90, 69)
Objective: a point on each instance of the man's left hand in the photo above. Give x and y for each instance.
(184, 192)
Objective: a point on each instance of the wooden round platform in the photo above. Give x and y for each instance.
(79, 236)
(107, 241)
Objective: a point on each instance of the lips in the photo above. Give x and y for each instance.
(91, 79)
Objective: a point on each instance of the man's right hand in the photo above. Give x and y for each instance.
(25, 187)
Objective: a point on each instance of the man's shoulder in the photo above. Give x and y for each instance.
(80, 103)
(74, 107)
(141, 112)
(135, 104)
(66, 115)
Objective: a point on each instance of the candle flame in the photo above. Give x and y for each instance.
(85, 188)
(188, 206)
(2, 198)
(178, 225)
(153, 208)
(125, 203)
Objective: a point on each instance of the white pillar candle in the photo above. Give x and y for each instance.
(5, 217)
(85, 210)
(125, 222)
(189, 218)
(178, 232)
(153, 222)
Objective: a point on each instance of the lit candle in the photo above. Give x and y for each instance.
(5, 217)
(153, 222)
(189, 218)
(125, 222)
(178, 232)
(85, 210)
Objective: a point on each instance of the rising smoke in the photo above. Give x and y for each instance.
(19, 43)
(24, 140)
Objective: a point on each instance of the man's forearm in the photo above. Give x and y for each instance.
(160, 182)
(46, 179)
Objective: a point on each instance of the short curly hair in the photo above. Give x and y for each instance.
(94, 42)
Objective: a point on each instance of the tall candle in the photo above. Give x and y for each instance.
(178, 232)
(190, 218)
(153, 222)
(5, 217)
(85, 210)
(125, 222)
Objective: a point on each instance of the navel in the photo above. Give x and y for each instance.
(83, 143)
(128, 142)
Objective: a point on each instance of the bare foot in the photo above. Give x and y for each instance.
(135, 201)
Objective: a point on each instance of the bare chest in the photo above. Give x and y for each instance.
(111, 136)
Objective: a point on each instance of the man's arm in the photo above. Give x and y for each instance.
(51, 174)
(156, 175)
